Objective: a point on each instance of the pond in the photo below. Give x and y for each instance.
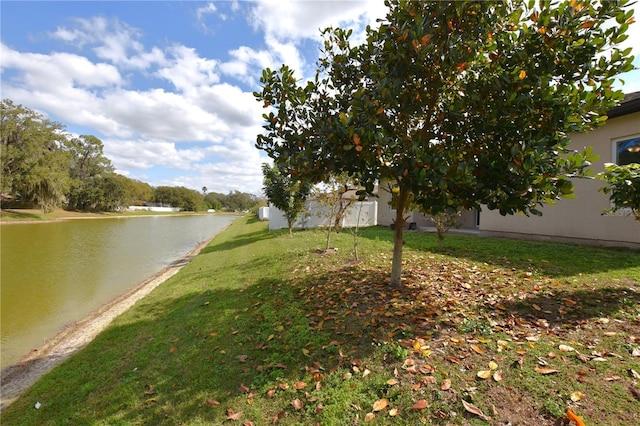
(55, 273)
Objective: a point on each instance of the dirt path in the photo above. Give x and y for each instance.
(16, 379)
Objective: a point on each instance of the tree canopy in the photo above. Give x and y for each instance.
(285, 192)
(457, 104)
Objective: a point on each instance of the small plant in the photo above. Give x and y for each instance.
(475, 326)
(624, 187)
(445, 221)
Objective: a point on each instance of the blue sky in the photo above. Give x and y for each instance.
(167, 86)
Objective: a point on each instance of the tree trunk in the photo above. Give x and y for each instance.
(398, 238)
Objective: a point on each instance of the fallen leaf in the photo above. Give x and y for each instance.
(565, 348)
(475, 410)
(634, 374)
(232, 415)
(392, 382)
(484, 374)
(498, 376)
(299, 385)
(212, 402)
(576, 396)
(380, 404)
(582, 357)
(369, 416)
(477, 349)
(393, 412)
(545, 370)
(319, 408)
(493, 365)
(420, 404)
(173, 349)
(297, 404)
(248, 423)
(446, 384)
(242, 388)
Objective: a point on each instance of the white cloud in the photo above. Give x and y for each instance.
(291, 19)
(58, 69)
(188, 71)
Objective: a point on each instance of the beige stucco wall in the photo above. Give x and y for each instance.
(387, 215)
(581, 217)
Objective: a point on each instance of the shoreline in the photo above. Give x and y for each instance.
(62, 218)
(17, 378)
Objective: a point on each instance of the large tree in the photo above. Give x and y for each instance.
(90, 169)
(34, 160)
(460, 103)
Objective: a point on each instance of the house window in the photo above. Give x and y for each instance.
(627, 151)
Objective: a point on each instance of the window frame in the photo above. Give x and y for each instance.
(614, 145)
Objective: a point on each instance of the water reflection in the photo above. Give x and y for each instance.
(52, 274)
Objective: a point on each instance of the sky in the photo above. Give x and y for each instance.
(167, 86)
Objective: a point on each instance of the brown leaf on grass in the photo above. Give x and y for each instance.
(420, 404)
(477, 349)
(173, 349)
(475, 410)
(498, 376)
(392, 382)
(545, 370)
(297, 404)
(582, 357)
(446, 384)
(369, 416)
(299, 385)
(319, 408)
(242, 358)
(248, 423)
(394, 412)
(270, 393)
(212, 402)
(380, 404)
(232, 415)
(635, 392)
(242, 388)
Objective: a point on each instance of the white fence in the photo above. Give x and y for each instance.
(153, 209)
(360, 213)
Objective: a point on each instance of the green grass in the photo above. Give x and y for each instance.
(263, 327)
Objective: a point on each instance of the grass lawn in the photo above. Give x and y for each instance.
(262, 328)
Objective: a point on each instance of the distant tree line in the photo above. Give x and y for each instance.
(44, 166)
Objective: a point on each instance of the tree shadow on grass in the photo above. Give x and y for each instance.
(569, 309)
(549, 258)
(239, 241)
(17, 214)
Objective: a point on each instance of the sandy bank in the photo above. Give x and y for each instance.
(16, 379)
